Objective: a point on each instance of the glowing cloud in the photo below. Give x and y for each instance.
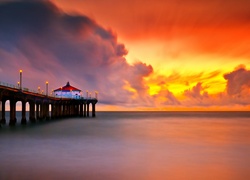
(183, 54)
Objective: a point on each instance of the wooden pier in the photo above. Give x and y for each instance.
(43, 106)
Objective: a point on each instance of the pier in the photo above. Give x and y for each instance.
(42, 106)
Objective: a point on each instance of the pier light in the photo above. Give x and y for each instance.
(21, 72)
(96, 94)
(87, 94)
(39, 89)
(18, 84)
(47, 88)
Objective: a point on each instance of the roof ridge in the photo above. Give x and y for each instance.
(67, 87)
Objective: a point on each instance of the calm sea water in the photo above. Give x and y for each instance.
(130, 145)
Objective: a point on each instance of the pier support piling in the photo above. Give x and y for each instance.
(93, 109)
(81, 110)
(39, 106)
(84, 111)
(87, 109)
(32, 112)
(47, 116)
(23, 120)
(3, 120)
(12, 113)
(37, 111)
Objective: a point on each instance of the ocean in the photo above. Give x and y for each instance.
(129, 146)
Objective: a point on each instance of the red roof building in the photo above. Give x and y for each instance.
(68, 91)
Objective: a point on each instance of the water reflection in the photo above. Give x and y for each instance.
(127, 147)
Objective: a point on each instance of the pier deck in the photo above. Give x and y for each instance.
(40, 105)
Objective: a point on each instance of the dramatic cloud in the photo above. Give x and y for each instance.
(166, 98)
(196, 92)
(238, 82)
(55, 45)
(49, 44)
(218, 27)
(237, 91)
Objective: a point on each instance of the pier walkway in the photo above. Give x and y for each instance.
(42, 106)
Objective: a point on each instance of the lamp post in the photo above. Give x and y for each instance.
(21, 72)
(47, 88)
(18, 84)
(87, 94)
(96, 94)
(39, 89)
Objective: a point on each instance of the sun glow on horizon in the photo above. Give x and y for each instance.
(142, 55)
(185, 61)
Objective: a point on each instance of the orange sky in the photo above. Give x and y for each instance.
(186, 42)
(139, 55)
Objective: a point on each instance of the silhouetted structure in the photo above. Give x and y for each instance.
(39, 105)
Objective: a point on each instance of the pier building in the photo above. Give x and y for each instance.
(68, 91)
(44, 106)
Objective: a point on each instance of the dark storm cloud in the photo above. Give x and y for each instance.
(18, 19)
(38, 37)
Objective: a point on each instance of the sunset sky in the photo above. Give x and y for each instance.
(139, 55)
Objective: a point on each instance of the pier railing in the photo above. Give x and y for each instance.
(23, 89)
(41, 106)
(38, 92)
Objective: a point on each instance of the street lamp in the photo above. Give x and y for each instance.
(21, 71)
(39, 89)
(87, 94)
(96, 94)
(18, 84)
(47, 88)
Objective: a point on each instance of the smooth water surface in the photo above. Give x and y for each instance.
(130, 145)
